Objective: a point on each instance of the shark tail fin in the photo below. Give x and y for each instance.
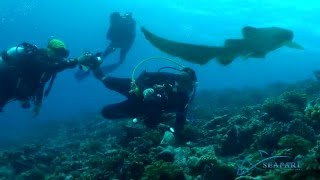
(198, 54)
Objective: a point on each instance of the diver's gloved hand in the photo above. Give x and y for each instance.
(148, 93)
(89, 61)
(36, 110)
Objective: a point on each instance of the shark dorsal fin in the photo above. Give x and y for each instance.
(249, 31)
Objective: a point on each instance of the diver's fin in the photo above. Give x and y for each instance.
(249, 31)
(199, 54)
(80, 75)
(293, 45)
(85, 68)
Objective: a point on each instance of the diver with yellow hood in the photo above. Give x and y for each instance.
(26, 69)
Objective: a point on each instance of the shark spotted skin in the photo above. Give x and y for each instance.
(255, 43)
(258, 42)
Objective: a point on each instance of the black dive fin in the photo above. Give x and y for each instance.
(199, 54)
(81, 75)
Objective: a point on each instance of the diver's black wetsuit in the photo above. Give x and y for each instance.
(135, 105)
(25, 78)
(8, 83)
(121, 34)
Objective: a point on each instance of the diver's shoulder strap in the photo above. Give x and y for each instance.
(53, 77)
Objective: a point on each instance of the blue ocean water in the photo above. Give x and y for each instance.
(83, 24)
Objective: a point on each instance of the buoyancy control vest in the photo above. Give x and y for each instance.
(20, 57)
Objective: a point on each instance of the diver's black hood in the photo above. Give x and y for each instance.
(191, 73)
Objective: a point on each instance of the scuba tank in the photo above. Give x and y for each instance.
(19, 52)
(15, 52)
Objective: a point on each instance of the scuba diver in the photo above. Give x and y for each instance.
(151, 95)
(25, 70)
(121, 35)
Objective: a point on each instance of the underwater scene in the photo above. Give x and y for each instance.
(159, 90)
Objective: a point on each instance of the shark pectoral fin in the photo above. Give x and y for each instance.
(226, 59)
(293, 45)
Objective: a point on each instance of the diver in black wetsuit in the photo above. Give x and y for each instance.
(155, 93)
(26, 69)
(121, 34)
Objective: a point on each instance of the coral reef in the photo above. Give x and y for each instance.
(160, 170)
(230, 134)
(298, 144)
(282, 108)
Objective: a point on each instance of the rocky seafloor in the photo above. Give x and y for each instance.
(269, 133)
